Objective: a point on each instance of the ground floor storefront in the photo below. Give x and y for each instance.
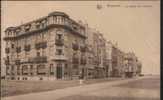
(53, 70)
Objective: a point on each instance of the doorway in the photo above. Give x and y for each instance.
(59, 71)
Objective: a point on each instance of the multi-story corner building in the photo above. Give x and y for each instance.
(132, 65)
(51, 47)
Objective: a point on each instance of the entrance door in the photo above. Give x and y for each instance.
(59, 71)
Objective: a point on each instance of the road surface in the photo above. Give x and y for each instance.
(114, 90)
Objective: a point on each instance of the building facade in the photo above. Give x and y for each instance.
(52, 47)
(96, 44)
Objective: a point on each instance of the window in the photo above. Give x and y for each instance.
(31, 69)
(37, 46)
(18, 70)
(51, 69)
(7, 70)
(66, 66)
(59, 52)
(37, 25)
(38, 54)
(41, 70)
(12, 45)
(44, 45)
(27, 48)
(8, 58)
(7, 50)
(12, 68)
(18, 49)
(75, 66)
(75, 45)
(25, 70)
(27, 29)
(59, 36)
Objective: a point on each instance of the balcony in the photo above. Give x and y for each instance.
(60, 58)
(39, 59)
(59, 42)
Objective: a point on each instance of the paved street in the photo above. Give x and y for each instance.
(115, 90)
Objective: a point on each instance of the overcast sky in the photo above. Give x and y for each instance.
(135, 29)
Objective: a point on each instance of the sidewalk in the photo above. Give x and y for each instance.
(13, 87)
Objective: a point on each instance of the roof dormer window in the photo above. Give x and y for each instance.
(43, 23)
(18, 31)
(27, 27)
(37, 25)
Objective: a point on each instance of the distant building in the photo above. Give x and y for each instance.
(99, 55)
(116, 58)
(109, 68)
(139, 68)
(132, 65)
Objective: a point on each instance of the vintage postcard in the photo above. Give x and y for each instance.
(80, 50)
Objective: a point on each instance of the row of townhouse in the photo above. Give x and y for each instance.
(57, 47)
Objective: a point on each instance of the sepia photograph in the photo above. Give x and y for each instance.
(80, 50)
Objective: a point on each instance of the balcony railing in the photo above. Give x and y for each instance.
(60, 57)
(39, 59)
(59, 42)
(42, 45)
